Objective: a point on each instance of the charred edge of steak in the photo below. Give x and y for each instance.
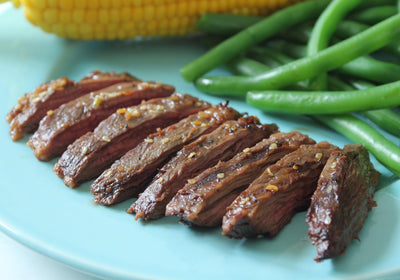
(73, 119)
(95, 151)
(32, 107)
(221, 144)
(342, 200)
(285, 188)
(128, 176)
(204, 202)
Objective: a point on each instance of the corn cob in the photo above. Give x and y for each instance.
(121, 19)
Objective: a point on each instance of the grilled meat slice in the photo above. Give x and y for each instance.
(32, 107)
(341, 203)
(221, 144)
(91, 154)
(128, 176)
(284, 188)
(204, 202)
(73, 119)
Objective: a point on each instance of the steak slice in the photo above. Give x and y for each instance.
(221, 144)
(128, 176)
(95, 151)
(32, 107)
(342, 200)
(73, 119)
(204, 202)
(283, 189)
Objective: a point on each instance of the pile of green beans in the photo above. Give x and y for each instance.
(314, 58)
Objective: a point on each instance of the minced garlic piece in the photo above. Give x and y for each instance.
(50, 112)
(165, 140)
(197, 123)
(191, 181)
(295, 167)
(108, 173)
(160, 180)
(192, 155)
(270, 172)
(318, 155)
(159, 108)
(97, 101)
(106, 138)
(220, 175)
(246, 150)
(148, 140)
(328, 220)
(244, 201)
(132, 113)
(84, 150)
(204, 115)
(273, 146)
(199, 104)
(333, 165)
(143, 85)
(272, 188)
(36, 99)
(205, 124)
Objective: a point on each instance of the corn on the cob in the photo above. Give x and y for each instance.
(121, 19)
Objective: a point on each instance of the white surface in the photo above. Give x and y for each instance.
(18, 262)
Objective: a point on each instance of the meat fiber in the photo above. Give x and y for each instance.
(221, 144)
(204, 202)
(341, 203)
(32, 107)
(128, 176)
(71, 120)
(88, 156)
(284, 189)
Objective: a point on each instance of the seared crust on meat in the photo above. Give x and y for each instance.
(221, 144)
(60, 127)
(32, 107)
(204, 202)
(341, 203)
(88, 156)
(128, 176)
(284, 189)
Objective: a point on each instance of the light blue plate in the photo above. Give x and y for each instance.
(40, 212)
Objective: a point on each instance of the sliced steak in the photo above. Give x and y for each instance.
(341, 203)
(284, 188)
(221, 144)
(32, 107)
(128, 176)
(73, 119)
(204, 202)
(91, 154)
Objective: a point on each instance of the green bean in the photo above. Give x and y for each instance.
(372, 3)
(232, 24)
(372, 69)
(264, 54)
(331, 58)
(245, 66)
(322, 32)
(356, 130)
(364, 67)
(386, 119)
(374, 15)
(249, 67)
(251, 36)
(322, 102)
